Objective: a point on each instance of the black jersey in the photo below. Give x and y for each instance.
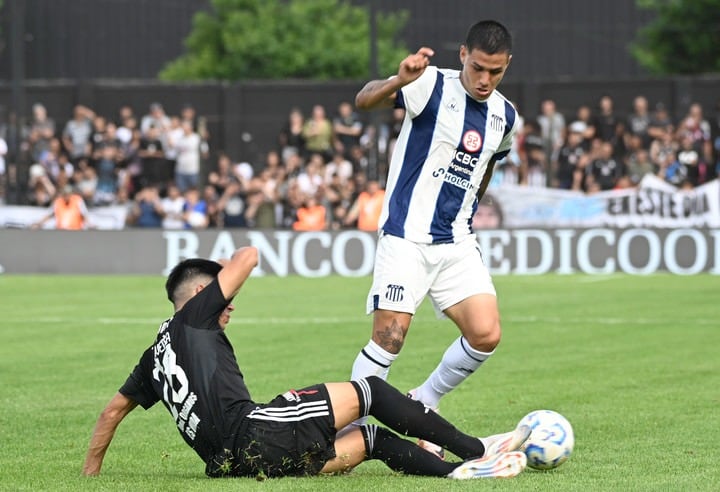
(192, 369)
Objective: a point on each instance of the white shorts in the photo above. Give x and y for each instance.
(405, 272)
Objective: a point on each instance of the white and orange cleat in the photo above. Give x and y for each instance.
(503, 465)
(508, 441)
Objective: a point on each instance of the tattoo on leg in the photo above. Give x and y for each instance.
(391, 337)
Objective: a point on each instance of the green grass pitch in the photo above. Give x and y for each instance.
(632, 361)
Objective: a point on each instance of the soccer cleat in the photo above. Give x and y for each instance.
(503, 465)
(509, 441)
(427, 445)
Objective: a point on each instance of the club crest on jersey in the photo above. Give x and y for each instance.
(472, 141)
(497, 122)
(394, 293)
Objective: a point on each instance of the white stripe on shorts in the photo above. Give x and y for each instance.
(295, 413)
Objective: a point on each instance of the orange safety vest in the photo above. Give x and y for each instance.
(69, 216)
(310, 219)
(369, 208)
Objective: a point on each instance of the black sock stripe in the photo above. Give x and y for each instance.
(373, 360)
(462, 344)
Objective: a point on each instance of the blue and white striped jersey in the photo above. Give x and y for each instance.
(441, 157)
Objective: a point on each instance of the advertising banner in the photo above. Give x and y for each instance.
(520, 251)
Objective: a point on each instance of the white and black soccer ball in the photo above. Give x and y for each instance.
(551, 442)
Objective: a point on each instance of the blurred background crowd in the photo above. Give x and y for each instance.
(166, 171)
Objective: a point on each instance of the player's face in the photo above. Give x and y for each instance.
(481, 72)
(225, 316)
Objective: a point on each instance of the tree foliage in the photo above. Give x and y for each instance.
(272, 39)
(684, 37)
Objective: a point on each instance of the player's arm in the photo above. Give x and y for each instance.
(381, 93)
(236, 270)
(109, 419)
(486, 178)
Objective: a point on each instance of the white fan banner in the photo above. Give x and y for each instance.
(654, 203)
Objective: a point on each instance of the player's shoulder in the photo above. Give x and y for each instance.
(505, 108)
(430, 73)
(448, 73)
(498, 96)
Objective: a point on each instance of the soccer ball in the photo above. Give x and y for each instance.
(551, 441)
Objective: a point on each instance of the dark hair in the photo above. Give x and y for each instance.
(186, 270)
(489, 201)
(489, 36)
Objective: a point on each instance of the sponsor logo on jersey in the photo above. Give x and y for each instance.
(466, 159)
(454, 179)
(472, 141)
(453, 105)
(394, 293)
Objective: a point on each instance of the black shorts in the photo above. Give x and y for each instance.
(293, 435)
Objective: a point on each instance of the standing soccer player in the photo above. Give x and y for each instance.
(456, 127)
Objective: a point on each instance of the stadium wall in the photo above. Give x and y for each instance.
(526, 251)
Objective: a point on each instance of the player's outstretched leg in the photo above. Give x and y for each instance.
(405, 457)
(427, 445)
(412, 418)
(402, 455)
(495, 444)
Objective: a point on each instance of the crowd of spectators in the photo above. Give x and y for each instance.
(602, 149)
(317, 177)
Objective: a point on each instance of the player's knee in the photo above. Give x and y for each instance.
(390, 340)
(380, 390)
(390, 329)
(486, 336)
(376, 383)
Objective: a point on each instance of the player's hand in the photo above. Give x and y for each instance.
(414, 65)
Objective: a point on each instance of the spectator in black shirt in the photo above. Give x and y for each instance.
(660, 122)
(347, 128)
(291, 139)
(571, 158)
(606, 121)
(604, 171)
(155, 168)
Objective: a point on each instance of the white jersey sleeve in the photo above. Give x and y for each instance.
(416, 94)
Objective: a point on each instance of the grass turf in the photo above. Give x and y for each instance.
(631, 361)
